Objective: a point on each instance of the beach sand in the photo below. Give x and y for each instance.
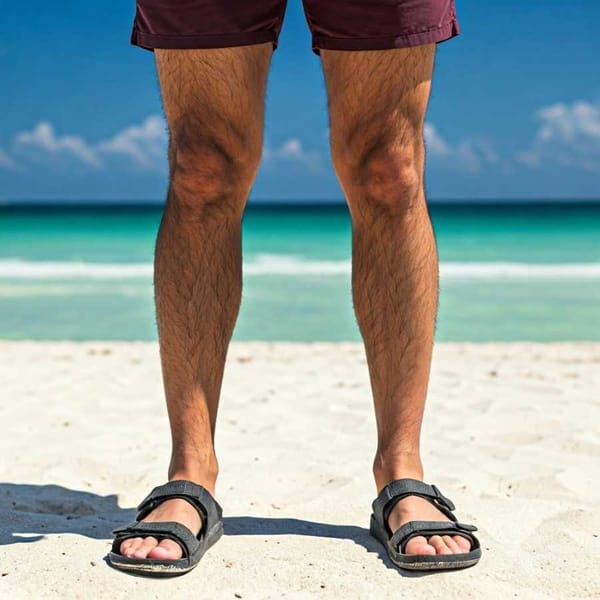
(511, 435)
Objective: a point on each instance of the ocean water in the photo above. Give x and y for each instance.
(509, 271)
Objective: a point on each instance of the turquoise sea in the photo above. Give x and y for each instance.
(509, 271)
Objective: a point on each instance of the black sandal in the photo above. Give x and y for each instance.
(395, 542)
(193, 546)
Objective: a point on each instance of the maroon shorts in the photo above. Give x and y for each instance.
(335, 24)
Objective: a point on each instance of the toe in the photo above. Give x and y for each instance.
(419, 545)
(132, 545)
(438, 543)
(463, 543)
(166, 550)
(124, 547)
(451, 544)
(144, 548)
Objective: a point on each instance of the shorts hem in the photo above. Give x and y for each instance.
(406, 40)
(150, 41)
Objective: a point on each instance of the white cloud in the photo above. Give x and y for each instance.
(569, 122)
(291, 150)
(139, 146)
(475, 153)
(6, 162)
(471, 154)
(144, 145)
(569, 135)
(434, 141)
(43, 137)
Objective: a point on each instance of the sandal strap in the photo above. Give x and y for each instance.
(199, 497)
(163, 530)
(412, 529)
(395, 491)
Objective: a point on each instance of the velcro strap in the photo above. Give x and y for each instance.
(162, 530)
(443, 500)
(401, 488)
(428, 528)
(200, 498)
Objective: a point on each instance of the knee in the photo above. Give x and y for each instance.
(385, 174)
(211, 170)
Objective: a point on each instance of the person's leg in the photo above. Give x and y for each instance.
(214, 103)
(377, 105)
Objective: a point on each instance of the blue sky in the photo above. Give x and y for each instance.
(515, 109)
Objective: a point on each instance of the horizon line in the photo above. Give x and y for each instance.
(271, 203)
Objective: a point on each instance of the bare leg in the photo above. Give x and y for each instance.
(214, 103)
(377, 104)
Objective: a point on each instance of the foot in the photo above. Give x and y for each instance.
(177, 510)
(414, 508)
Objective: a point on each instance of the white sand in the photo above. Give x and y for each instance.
(511, 435)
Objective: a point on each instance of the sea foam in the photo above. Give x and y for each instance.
(282, 265)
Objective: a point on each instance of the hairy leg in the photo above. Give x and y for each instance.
(214, 103)
(377, 105)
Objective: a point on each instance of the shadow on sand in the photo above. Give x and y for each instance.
(30, 512)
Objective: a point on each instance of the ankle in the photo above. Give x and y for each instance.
(203, 473)
(389, 466)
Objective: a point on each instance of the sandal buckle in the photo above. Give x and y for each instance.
(443, 500)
